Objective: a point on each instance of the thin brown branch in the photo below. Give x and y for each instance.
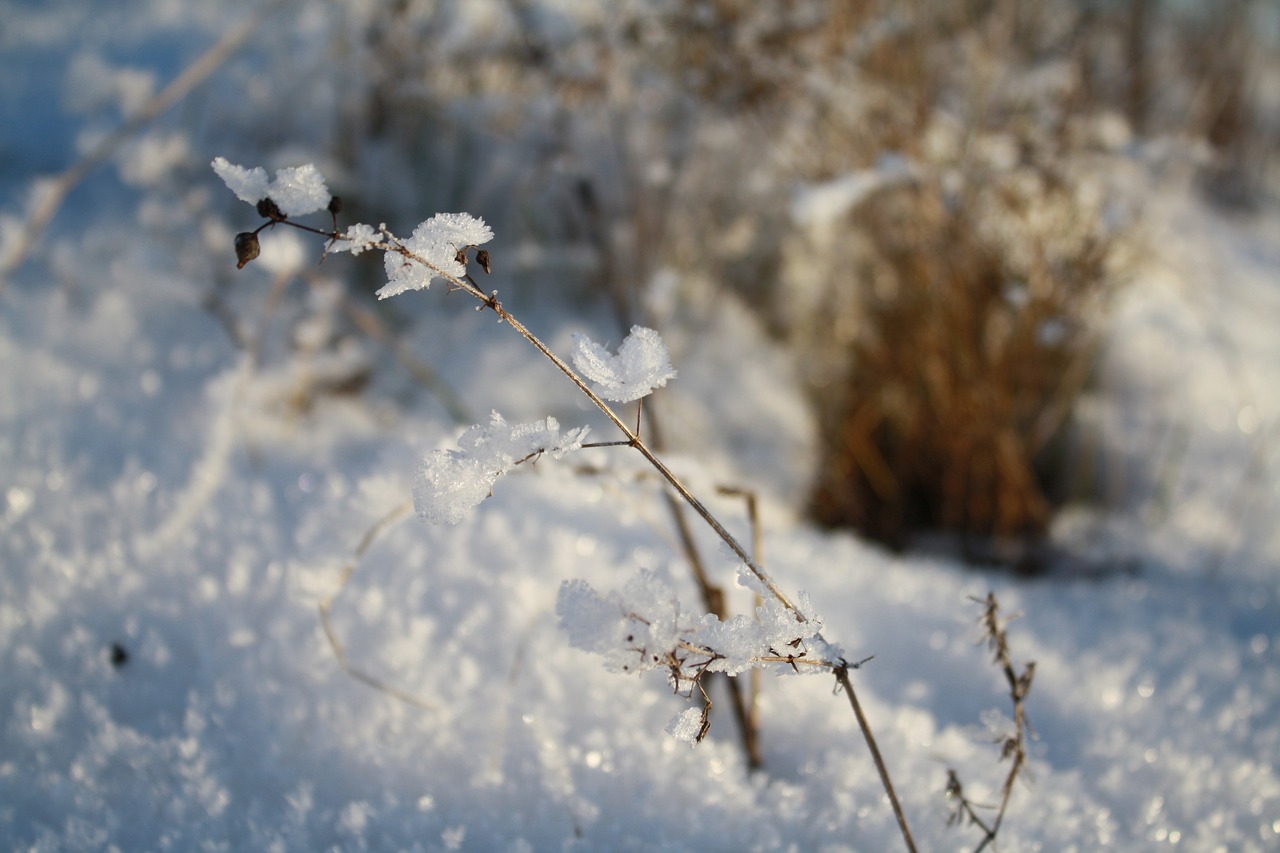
(326, 606)
(842, 677)
(1012, 746)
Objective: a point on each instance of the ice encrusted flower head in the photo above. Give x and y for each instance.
(439, 242)
(296, 191)
(641, 364)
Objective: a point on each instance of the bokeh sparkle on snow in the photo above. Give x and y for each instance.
(187, 469)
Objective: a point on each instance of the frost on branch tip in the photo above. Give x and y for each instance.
(296, 191)
(357, 238)
(641, 364)
(451, 483)
(644, 627)
(439, 242)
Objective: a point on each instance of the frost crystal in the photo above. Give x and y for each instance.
(296, 191)
(641, 365)
(686, 726)
(644, 627)
(451, 483)
(437, 242)
(357, 238)
(633, 629)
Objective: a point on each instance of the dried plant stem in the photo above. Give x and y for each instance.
(366, 542)
(714, 601)
(839, 667)
(842, 677)
(841, 670)
(754, 677)
(1013, 746)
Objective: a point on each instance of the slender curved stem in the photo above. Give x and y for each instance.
(842, 676)
(491, 302)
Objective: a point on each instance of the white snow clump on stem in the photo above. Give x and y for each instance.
(296, 191)
(437, 242)
(641, 365)
(451, 483)
(358, 238)
(644, 627)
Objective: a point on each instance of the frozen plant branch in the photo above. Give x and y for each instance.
(326, 609)
(644, 628)
(1013, 745)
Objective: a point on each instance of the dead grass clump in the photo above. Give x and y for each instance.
(977, 330)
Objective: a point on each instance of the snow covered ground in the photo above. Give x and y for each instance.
(174, 506)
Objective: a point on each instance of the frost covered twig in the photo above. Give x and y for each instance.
(1013, 745)
(644, 627)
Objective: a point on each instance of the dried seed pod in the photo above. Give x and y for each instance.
(335, 205)
(247, 248)
(482, 257)
(269, 209)
(461, 257)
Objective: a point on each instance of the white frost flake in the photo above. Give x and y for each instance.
(437, 242)
(297, 191)
(686, 726)
(451, 483)
(357, 238)
(641, 365)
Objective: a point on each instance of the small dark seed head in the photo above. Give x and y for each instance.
(461, 257)
(335, 205)
(247, 248)
(482, 257)
(269, 209)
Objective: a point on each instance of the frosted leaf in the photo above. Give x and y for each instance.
(641, 365)
(437, 243)
(686, 726)
(357, 238)
(451, 483)
(248, 184)
(297, 191)
(633, 630)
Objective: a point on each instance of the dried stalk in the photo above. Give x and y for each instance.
(1013, 746)
(326, 606)
(840, 667)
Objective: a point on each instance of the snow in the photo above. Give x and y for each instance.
(641, 364)
(451, 483)
(435, 247)
(193, 456)
(296, 190)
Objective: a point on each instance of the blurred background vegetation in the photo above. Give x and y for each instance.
(924, 201)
